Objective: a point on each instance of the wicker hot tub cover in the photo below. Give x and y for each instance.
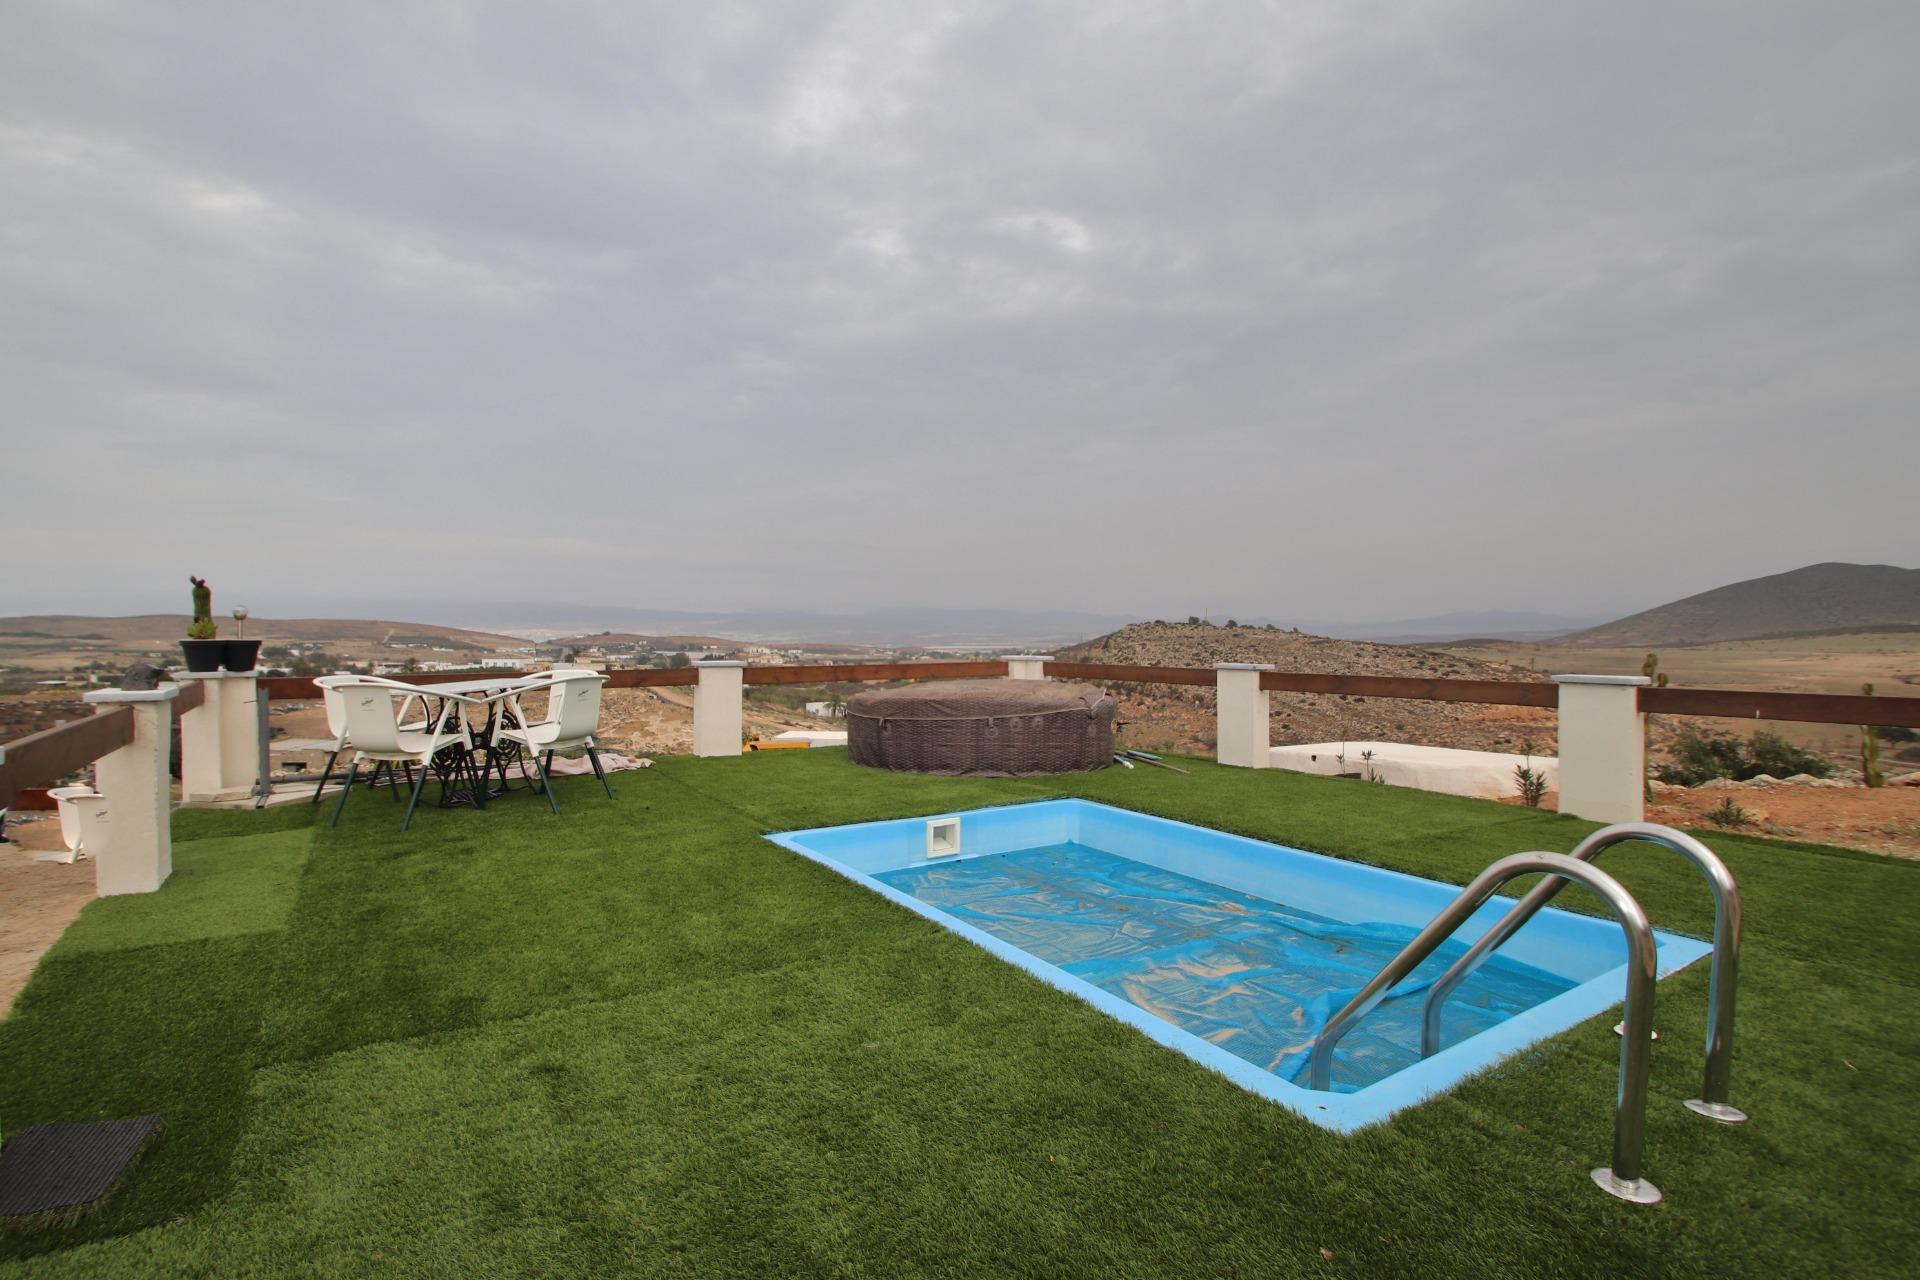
(984, 728)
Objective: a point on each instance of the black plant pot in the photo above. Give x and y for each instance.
(239, 655)
(203, 655)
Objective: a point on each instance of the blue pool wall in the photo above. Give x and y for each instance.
(1582, 949)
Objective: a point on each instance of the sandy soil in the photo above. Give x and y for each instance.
(38, 900)
(1881, 820)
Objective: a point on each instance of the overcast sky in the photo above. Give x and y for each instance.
(1325, 309)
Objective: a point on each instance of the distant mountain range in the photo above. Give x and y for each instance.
(496, 625)
(933, 627)
(1492, 624)
(975, 628)
(1827, 598)
(1818, 598)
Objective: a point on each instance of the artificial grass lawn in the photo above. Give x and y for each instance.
(638, 1038)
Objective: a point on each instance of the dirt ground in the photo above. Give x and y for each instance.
(38, 900)
(1880, 820)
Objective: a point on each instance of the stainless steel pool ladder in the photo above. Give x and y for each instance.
(1623, 1177)
(1712, 1101)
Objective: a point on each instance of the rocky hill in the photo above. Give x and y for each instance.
(1828, 598)
(1180, 717)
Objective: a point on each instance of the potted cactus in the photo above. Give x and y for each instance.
(202, 648)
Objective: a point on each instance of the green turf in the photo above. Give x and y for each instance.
(640, 1039)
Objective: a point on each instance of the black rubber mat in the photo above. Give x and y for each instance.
(63, 1168)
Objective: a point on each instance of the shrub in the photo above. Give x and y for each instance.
(1771, 753)
(1727, 814)
(1531, 781)
(1697, 756)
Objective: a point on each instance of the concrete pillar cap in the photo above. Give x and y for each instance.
(717, 662)
(1601, 680)
(165, 693)
(1243, 666)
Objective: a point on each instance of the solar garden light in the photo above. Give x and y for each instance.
(240, 619)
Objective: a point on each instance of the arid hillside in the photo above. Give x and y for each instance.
(1180, 717)
(1818, 599)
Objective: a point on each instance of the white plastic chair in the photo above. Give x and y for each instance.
(336, 709)
(84, 822)
(573, 713)
(375, 733)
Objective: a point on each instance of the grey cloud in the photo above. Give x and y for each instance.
(1319, 308)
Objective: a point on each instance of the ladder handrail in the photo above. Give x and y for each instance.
(1622, 1178)
(1713, 1101)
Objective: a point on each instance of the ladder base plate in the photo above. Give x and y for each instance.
(1716, 1111)
(1639, 1191)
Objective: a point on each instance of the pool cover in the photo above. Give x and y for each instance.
(1254, 977)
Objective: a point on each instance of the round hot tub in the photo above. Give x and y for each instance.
(982, 728)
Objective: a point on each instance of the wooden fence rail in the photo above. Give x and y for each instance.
(1744, 704)
(869, 671)
(1505, 693)
(40, 758)
(192, 695)
(1120, 674)
(302, 687)
(1807, 708)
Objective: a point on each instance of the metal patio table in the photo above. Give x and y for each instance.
(493, 690)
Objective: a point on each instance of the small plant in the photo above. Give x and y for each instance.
(1870, 771)
(1531, 781)
(1367, 756)
(202, 627)
(1728, 814)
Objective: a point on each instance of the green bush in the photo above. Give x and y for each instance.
(1772, 754)
(1697, 756)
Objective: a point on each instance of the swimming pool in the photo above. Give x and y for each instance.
(1235, 951)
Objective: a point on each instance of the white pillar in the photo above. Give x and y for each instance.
(1603, 748)
(1240, 714)
(716, 708)
(220, 738)
(133, 780)
(1028, 666)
